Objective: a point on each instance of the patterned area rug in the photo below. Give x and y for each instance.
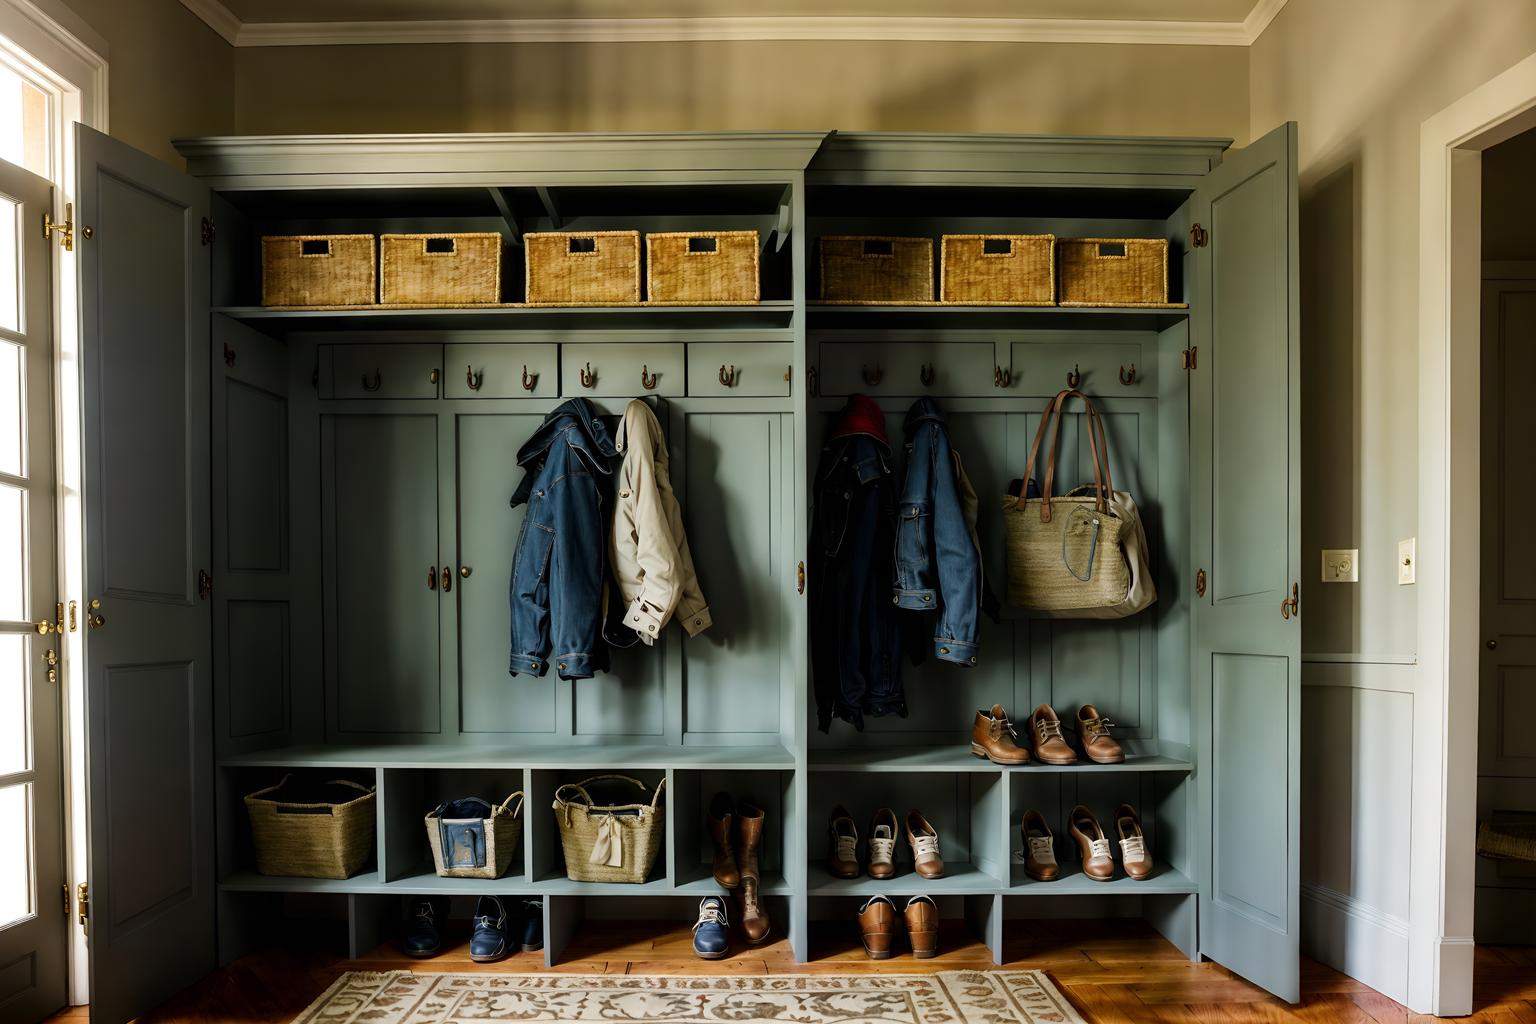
(950, 997)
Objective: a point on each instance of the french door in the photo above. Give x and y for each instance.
(33, 915)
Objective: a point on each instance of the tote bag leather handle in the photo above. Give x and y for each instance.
(1097, 445)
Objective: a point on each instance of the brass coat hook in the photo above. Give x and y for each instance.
(926, 374)
(1128, 378)
(530, 380)
(728, 376)
(473, 379)
(229, 355)
(648, 379)
(377, 381)
(588, 378)
(872, 379)
(1001, 378)
(1074, 377)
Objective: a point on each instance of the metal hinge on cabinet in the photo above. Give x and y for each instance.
(208, 231)
(1199, 238)
(83, 900)
(204, 584)
(1191, 357)
(67, 904)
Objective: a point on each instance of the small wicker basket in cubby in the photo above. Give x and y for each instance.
(998, 270)
(689, 268)
(318, 271)
(583, 268)
(312, 830)
(1114, 272)
(451, 270)
(474, 838)
(876, 270)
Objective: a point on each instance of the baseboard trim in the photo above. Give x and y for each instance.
(1350, 935)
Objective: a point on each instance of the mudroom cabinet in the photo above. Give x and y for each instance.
(300, 535)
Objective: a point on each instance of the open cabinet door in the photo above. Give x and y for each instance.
(148, 703)
(1246, 512)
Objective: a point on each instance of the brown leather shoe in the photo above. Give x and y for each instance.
(722, 813)
(1092, 847)
(924, 840)
(922, 927)
(884, 834)
(749, 824)
(755, 925)
(842, 844)
(993, 738)
(1093, 734)
(1039, 848)
(1133, 845)
(1045, 730)
(877, 927)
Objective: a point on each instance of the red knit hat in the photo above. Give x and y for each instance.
(860, 415)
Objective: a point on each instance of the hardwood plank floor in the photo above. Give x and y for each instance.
(1115, 972)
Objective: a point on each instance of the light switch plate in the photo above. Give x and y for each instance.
(1341, 565)
(1407, 561)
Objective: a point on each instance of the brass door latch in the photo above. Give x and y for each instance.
(66, 230)
(95, 619)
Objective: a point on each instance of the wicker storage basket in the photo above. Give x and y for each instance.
(1114, 272)
(312, 830)
(998, 270)
(685, 268)
(473, 838)
(609, 842)
(874, 270)
(317, 270)
(440, 270)
(575, 268)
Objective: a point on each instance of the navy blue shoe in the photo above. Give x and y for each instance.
(491, 939)
(423, 932)
(532, 931)
(712, 931)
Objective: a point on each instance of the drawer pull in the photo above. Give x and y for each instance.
(378, 381)
(872, 379)
(434, 375)
(1128, 378)
(588, 378)
(431, 577)
(728, 376)
(472, 379)
(926, 375)
(1074, 377)
(648, 379)
(1001, 378)
(530, 380)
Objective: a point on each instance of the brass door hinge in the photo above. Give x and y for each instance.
(1199, 238)
(74, 620)
(208, 232)
(67, 905)
(66, 230)
(204, 584)
(1200, 580)
(800, 577)
(83, 901)
(1192, 357)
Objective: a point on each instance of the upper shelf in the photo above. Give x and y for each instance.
(277, 322)
(443, 755)
(958, 758)
(1024, 318)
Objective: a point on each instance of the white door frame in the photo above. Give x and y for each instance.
(1442, 875)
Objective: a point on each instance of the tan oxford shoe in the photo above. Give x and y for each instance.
(924, 840)
(1039, 848)
(1092, 846)
(877, 927)
(1134, 854)
(993, 738)
(1093, 734)
(884, 833)
(842, 844)
(1045, 730)
(922, 927)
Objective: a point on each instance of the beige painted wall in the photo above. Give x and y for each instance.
(1509, 200)
(1083, 89)
(1361, 77)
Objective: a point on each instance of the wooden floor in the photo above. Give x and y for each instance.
(1115, 972)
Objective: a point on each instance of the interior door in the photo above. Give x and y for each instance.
(148, 702)
(33, 930)
(1246, 528)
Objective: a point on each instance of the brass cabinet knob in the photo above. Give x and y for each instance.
(431, 577)
(464, 571)
(447, 579)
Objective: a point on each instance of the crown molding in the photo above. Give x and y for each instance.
(735, 29)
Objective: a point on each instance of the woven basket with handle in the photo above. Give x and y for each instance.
(615, 842)
(1114, 272)
(462, 269)
(874, 270)
(311, 271)
(473, 838)
(701, 268)
(583, 268)
(312, 831)
(998, 270)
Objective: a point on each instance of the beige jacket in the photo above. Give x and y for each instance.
(650, 557)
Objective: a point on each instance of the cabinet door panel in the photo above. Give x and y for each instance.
(897, 368)
(491, 700)
(754, 370)
(1041, 367)
(502, 371)
(379, 480)
(616, 370)
(380, 371)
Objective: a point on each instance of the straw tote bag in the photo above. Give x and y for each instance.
(1082, 555)
(616, 842)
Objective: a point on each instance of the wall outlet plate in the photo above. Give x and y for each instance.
(1341, 565)
(1407, 561)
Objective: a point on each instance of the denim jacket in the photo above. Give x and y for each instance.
(558, 570)
(938, 565)
(855, 640)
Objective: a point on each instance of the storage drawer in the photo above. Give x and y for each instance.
(380, 371)
(1042, 368)
(953, 369)
(501, 371)
(750, 370)
(617, 370)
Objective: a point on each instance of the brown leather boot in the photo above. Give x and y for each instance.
(749, 823)
(755, 925)
(721, 822)
(924, 839)
(877, 927)
(1045, 730)
(1093, 734)
(923, 927)
(1098, 863)
(842, 844)
(1134, 854)
(993, 738)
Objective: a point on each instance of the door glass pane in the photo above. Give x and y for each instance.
(15, 853)
(10, 268)
(13, 705)
(13, 551)
(24, 123)
(10, 408)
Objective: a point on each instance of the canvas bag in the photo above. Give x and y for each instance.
(1082, 555)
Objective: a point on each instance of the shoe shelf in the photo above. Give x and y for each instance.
(589, 756)
(1164, 880)
(957, 758)
(958, 880)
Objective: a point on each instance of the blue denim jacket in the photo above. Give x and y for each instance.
(855, 638)
(938, 568)
(559, 567)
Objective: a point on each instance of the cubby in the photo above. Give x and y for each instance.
(362, 462)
